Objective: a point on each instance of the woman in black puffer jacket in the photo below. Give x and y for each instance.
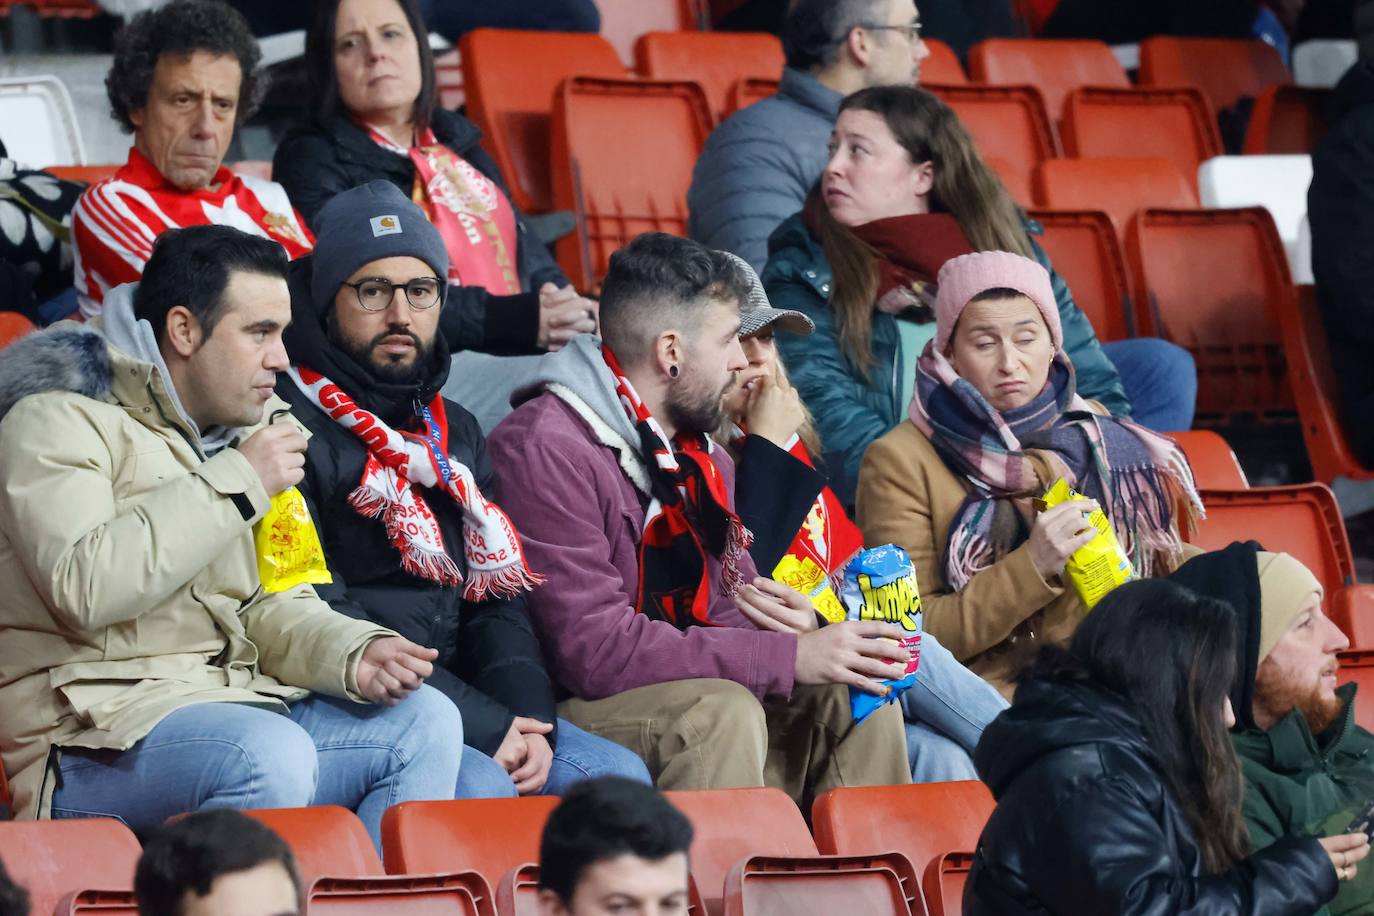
(1117, 788)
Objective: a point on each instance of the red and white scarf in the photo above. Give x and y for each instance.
(399, 465)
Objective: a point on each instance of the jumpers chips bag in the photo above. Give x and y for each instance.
(289, 550)
(880, 584)
(1099, 565)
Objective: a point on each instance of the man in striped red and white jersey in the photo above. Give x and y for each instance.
(182, 79)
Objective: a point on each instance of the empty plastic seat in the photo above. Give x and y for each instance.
(1213, 282)
(749, 90)
(1007, 123)
(1321, 62)
(1357, 667)
(1214, 465)
(465, 894)
(1118, 187)
(104, 903)
(881, 885)
(326, 840)
(1277, 183)
(511, 78)
(734, 824)
(942, 67)
(1085, 251)
(1225, 69)
(38, 123)
(923, 822)
(1014, 178)
(1302, 520)
(90, 174)
(717, 61)
(1055, 67)
(1173, 124)
(487, 835)
(624, 21)
(621, 182)
(52, 859)
(12, 327)
(518, 893)
(943, 883)
(1315, 390)
(1287, 119)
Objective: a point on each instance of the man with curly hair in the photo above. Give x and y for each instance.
(182, 79)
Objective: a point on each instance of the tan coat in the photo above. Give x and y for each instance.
(130, 583)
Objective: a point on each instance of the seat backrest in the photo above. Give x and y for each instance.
(1173, 124)
(1225, 69)
(717, 61)
(1357, 667)
(12, 327)
(618, 182)
(1277, 183)
(518, 893)
(1007, 123)
(1215, 466)
(624, 21)
(1118, 187)
(463, 894)
(1287, 120)
(942, 67)
(1227, 319)
(326, 840)
(922, 822)
(90, 174)
(1085, 251)
(1054, 66)
(882, 885)
(943, 883)
(50, 859)
(1303, 520)
(38, 122)
(1315, 389)
(732, 824)
(750, 90)
(510, 77)
(486, 835)
(1321, 62)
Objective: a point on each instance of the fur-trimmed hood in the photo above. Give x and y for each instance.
(64, 357)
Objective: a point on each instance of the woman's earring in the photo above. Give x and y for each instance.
(672, 371)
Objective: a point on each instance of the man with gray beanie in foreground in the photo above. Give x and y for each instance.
(401, 490)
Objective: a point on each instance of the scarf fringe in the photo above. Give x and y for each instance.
(737, 541)
(501, 583)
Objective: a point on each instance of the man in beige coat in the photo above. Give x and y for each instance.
(144, 671)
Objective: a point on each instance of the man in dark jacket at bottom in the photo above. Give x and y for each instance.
(1309, 769)
(398, 483)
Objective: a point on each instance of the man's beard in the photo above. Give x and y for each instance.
(383, 366)
(695, 410)
(1278, 698)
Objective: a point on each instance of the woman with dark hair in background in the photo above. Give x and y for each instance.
(1117, 787)
(375, 115)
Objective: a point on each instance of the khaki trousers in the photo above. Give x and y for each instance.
(715, 734)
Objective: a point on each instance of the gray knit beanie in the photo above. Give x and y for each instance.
(368, 223)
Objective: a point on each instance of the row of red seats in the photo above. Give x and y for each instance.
(882, 850)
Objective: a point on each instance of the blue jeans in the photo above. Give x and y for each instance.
(226, 755)
(1160, 379)
(946, 711)
(579, 755)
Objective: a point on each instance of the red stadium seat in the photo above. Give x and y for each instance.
(52, 859)
(518, 893)
(1287, 120)
(1357, 667)
(6, 800)
(1214, 465)
(882, 885)
(923, 822)
(618, 182)
(1226, 318)
(90, 174)
(103, 903)
(488, 835)
(1225, 69)
(12, 327)
(326, 840)
(717, 61)
(511, 77)
(1118, 187)
(624, 21)
(748, 91)
(943, 883)
(1173, 124)
(1007, 123)
(465, 894)
(1014, 178)
(1055, 66)
(1085, 251)
(1314, 387)
(942, 67)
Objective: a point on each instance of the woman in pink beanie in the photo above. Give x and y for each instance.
(995, 420)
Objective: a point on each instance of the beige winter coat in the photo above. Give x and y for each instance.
(128, 579)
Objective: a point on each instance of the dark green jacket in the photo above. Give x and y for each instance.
(851, 411)
(1299, 784)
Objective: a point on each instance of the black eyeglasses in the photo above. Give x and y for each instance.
(375, 294)
(912, 30)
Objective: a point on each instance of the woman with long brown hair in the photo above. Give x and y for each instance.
(1118, 790)
(905, 190)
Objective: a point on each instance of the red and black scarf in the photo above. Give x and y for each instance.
(689, 517)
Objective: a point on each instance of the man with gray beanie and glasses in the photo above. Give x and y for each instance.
(400, 488)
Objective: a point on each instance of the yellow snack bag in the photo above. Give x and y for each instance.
(289, 549)
(1099, 565)
(810, 579)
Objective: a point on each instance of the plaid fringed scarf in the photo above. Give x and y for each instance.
(399, 465)
(688, 518)
(1140, 478)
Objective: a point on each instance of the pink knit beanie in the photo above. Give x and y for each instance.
(966, 276)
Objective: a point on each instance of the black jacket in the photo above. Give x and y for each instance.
(774, 492)
(314, 164)
(489, 662)
(1340, 207)
(1085, 824)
